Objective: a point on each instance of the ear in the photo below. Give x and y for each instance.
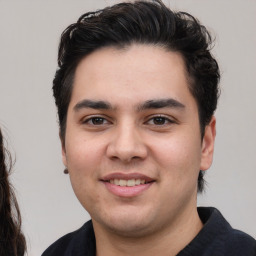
(208, 145)
(63, 150)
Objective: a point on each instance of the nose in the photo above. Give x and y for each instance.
(126, 144)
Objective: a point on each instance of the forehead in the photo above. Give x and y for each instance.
(136, 72)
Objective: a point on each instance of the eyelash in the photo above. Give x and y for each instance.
(151, 121)
(166, 120)
(90, 120)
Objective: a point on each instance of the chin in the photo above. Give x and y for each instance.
(127, 224)
(130, 230)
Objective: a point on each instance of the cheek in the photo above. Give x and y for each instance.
(82, 157)
(83, 164)
(82, 153)
(178, 156)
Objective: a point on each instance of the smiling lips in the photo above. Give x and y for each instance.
(124, 185)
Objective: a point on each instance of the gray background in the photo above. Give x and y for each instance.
(30, 30)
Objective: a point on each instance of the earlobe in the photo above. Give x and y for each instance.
(208, 145)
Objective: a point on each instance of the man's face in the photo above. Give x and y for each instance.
(133, 146)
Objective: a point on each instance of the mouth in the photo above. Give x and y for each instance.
(127, 185)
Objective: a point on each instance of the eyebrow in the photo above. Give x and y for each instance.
(94, 104)
(161, 103)
(149, 104)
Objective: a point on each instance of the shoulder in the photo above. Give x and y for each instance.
(219, 236)
(240, 243)
(79, 242)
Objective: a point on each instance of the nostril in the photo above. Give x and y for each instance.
(126, 146)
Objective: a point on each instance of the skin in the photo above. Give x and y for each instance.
(129, 135)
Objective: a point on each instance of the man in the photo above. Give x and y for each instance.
(136, 91)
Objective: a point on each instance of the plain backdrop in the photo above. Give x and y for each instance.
(29, 36)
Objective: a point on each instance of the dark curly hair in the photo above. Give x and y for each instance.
(12, 241)
(140, 22)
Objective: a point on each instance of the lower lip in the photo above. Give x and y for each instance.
(127, 191)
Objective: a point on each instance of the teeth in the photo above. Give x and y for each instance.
(137, 182)
(130, 183)
(127, 183)
(122, 183)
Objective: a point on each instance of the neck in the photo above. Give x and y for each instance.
(168, 241)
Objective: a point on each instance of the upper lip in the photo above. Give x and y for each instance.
(126, 176)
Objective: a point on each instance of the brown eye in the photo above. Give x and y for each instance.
(97, 120)
(159, 120)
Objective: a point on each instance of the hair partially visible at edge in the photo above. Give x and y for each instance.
(12, 241)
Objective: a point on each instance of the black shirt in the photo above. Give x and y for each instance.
(217, 238)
